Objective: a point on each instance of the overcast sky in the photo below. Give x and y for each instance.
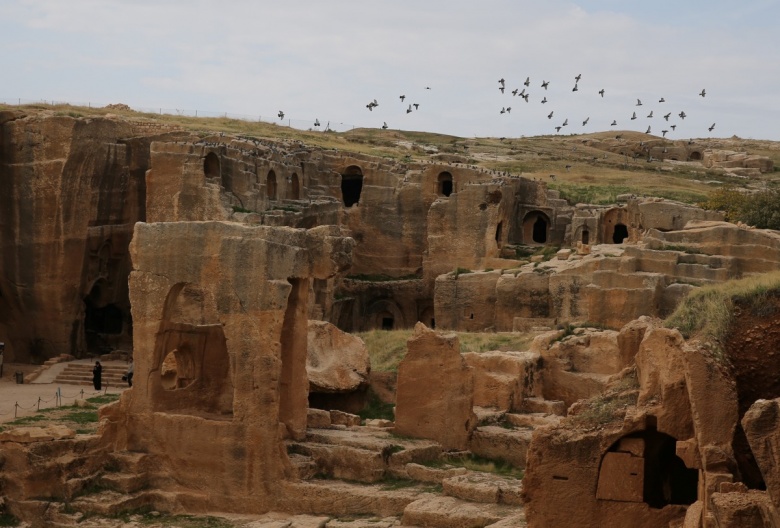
(327, 59)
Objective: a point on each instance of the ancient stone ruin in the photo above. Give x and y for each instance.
(232, 269)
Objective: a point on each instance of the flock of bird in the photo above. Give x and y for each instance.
(518, 92)
(524, 94)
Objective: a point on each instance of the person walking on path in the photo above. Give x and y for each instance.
(97, 375)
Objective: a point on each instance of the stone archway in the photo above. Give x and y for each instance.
(270, 185)
(613, 227)
(536, 228)
(384, 315)
(695, 156)
(445, 185)
(351, 185)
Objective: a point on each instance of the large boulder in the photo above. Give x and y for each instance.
(337, 361)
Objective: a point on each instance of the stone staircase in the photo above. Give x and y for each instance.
(81, 374)
(368, 471)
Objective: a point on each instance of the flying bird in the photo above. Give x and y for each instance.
(639, 102)
(508, 109)
(682, 115)
(384, 125)
(514, 92)
(402, 98)
(703, 92)
(427, 87)
(409, 110)
(501, 88)
(526, 97)
(544, 100)
(614, 123)
(578, 77)
(650, 115)
(662, 100)
(503, 110)
(664, 132)
(545, 84)
(647, 131)
(673, 127)
(601, 92)
(317, 122)
(557, 129)
(633, 116)
(712, 127)
(575, 89)
(280, 114)
(501, 81)
(416, 106)
(565, 122)
(667, 116)
(527, 81)
(586, 121)
(549, 116)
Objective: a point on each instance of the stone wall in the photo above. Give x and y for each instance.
(220, 332)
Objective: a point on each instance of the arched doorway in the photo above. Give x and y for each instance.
(351, 185)
(444, 184)
(620, 233)
(295, 187)
(536, 228)
(585, 237)
(270, 185)
(695, 156)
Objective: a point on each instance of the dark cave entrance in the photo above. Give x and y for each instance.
(351, 185)
(444, 184)
(644, 467)
(619, 234)
(540, 231)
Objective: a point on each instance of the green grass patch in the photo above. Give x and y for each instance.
(474, 462)
(386, 348)
(81, 417)
(103, 399)
(377, 409)
(708, 312)
(461, 271)
(27, 420)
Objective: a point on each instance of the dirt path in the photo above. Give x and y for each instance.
(18, 400)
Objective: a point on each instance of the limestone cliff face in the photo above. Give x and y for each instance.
(70, 191)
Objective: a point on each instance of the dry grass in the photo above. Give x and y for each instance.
(595, 175)
(387, 348)
(707, 313)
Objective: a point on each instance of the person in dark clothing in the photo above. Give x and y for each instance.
(97, 375)
(128, 377)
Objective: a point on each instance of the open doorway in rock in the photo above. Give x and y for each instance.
(351, 185)
(644, 467)
(270, 185)
(536, 227)
(103, 319)
(619, 234)
(585, 237)
(444, 184)
(211, 166)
